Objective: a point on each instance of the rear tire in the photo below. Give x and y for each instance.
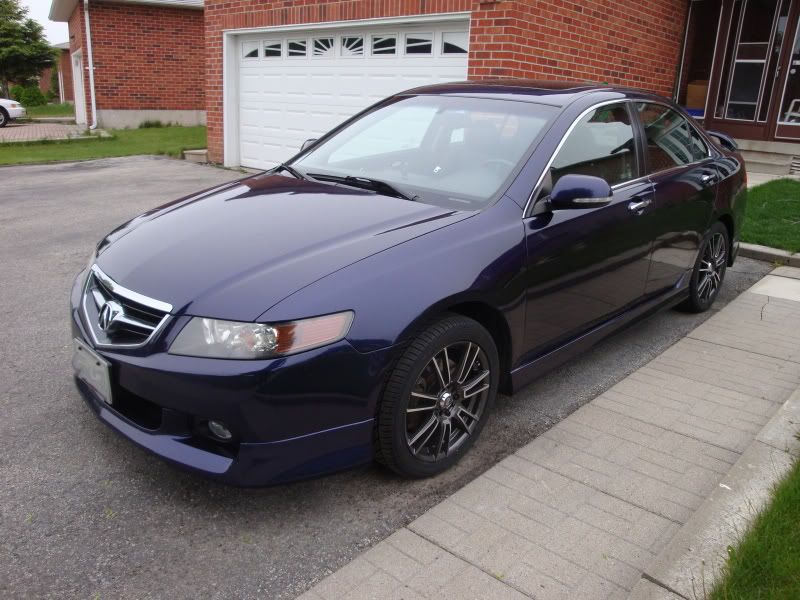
(709, 270)
(4, 118)
(438, 397)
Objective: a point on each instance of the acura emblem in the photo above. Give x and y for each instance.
(109, 313)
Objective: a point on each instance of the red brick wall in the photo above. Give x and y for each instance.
(145, 57)
(631, 42)
(45, 78)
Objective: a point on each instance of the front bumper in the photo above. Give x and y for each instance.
(292, 418)
(16, 113)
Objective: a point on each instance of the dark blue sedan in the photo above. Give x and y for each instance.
(369, 298)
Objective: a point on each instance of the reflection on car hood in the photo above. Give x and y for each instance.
(235, 251)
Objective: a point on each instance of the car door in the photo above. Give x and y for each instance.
(586, 265)
(685, 182)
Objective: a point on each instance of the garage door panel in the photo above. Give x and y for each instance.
(285, 100)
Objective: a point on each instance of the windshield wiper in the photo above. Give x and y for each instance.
(376, 185)
(289, 169)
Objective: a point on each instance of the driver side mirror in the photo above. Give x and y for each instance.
(725, 141)
(579, 191)
(307, 144)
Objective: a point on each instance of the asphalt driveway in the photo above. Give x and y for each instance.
(84, 513)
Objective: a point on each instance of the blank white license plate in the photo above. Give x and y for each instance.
(92, 369)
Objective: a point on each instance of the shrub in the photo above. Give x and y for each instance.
(151, 124)
(30, 96)
(16, 92)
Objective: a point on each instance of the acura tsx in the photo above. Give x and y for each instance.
(367, 299)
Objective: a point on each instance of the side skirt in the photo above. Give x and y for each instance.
(525, 374)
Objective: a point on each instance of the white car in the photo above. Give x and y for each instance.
(10, 110)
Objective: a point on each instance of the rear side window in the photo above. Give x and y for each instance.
(670, 140)
(601, 144)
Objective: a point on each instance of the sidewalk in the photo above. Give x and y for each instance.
(585, 509)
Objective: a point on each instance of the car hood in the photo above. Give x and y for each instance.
(234, 251)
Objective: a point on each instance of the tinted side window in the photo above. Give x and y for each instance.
(601, 144)
(671, 140)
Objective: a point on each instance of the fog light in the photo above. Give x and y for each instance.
(218, 430)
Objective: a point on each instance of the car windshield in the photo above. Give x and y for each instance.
(449, 151)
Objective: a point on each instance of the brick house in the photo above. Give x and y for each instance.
(135, 60)
(277, 72)
(66, 89)
(282, 72)
(64, 69)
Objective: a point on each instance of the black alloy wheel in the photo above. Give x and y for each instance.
(709, 270)
(438, 397)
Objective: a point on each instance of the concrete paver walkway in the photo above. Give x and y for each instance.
(582, 510)
(31, 132)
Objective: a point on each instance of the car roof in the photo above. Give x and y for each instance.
(555, 93)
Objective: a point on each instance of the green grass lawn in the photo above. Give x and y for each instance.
(765, 565)
(51, 110)
(773, 215)
(125, 142)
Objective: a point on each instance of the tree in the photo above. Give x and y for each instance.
(24, 51)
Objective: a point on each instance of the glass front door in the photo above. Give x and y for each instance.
(789, 112)
(751, 58)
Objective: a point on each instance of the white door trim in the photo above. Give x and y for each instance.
(230, 65)
(78, 90)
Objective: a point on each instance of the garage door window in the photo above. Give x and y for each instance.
(297, 48)
(352, 45)
(419, 43)
(455, 42)
(272, 49)
(323, 47)
(250, 50)
(384, 45)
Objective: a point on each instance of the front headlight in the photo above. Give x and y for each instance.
(231, 339)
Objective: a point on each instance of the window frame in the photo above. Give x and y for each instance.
(258, 48)
(397, 41)
(273, 42)
(407, 54)
(639, 136)
(290, 41)
(643, 138)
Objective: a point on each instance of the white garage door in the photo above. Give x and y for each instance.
(297, 85)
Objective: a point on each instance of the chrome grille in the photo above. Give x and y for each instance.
(119, 317)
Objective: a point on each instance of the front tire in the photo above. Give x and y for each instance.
(4, 119)
(709, 270)
(438, 397)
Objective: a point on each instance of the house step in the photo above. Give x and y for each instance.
(768, 167)
(791, 148)
(773, 157)
(196, 156)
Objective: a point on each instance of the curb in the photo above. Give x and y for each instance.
(689, 565)
(773, 255)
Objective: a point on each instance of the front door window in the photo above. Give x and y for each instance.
(790, 106)
(754, 45)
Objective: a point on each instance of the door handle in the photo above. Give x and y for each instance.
(638, 205)
(708, 178)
